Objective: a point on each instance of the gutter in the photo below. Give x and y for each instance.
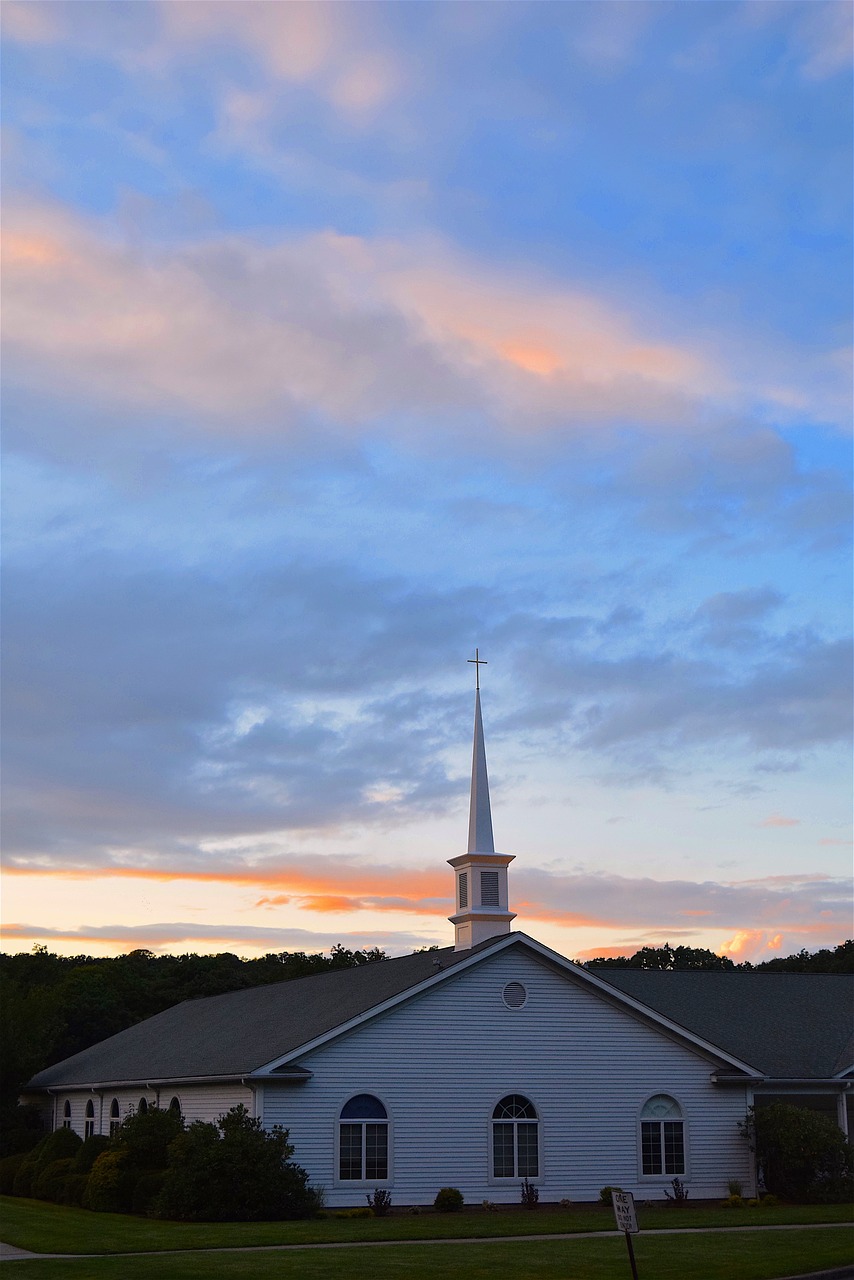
(784, 1082)
(148, 1083)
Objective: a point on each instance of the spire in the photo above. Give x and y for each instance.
(480, 815)
(481, 874)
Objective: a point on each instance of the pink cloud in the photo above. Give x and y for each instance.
(776, 820)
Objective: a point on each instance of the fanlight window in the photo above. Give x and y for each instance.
(363, 1140)
(175, 1105)
(515, 1138)
(662, 1136)
(89, 1125)
(143, 1106)
(66, 1116)
(115, 1118)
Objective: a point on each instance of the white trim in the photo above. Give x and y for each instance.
(662, 1179)
(516, 1179)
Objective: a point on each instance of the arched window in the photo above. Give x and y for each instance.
(662, 1136)
(115, 1118)
(515, 1139)
(363, 1140)
(66, 1116)
(143, 1106)
(89, 1126)
(175, 1105)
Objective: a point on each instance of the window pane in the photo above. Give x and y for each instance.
(363, 1107)
(674, 1148)
(651, 1146)
(376, 1150)
(350, 1151)
(526, 1137)
(502, 1151)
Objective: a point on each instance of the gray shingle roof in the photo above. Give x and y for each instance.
(788, 1025)
(793, 1025)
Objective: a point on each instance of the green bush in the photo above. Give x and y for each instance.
(109, 1188)
(54, 1146)
(606, 1195)
(9, 1166)
(145, 1136)
(89, 1152)
(75, 1189)
(49, 1183)
(354, 1213)
(733, 1202)
(21, 1128)
(804, 1156)
(448, 1200)
(234, 1171)
(146, 1191)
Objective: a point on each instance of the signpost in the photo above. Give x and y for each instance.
(624, 1212)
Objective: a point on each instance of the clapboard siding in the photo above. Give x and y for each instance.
(198, 1102)
(441, 1062)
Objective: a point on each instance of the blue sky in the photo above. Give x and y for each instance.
(342, 339)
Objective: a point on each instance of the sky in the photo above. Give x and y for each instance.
(342, 339)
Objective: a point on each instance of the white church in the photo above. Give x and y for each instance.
(482, 1064)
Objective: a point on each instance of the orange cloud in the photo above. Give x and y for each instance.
(777, 821)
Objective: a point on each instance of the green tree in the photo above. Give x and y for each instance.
(803, 1155)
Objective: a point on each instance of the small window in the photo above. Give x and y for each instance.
(115, 1118)
(66, 1116)
(89, 1125)
(464, 889)
(175, 1105)
(489, 889)
(514, 995)
(363, 1140)
(515, 1138)
(143, 1106)
(662, 1137)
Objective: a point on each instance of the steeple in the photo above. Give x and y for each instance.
(481, 874)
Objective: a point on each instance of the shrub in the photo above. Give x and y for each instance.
(679, 1194)
(379, 1203)
(21, 1129)
(9, 1166)
(145, 1136)
(754, 1203)
(768, 1201)
(54, 1146)
(448, 1200)
(529, 1194)
(489, 1206)
(803, 1155)
(566, 1203)
(109, 1188)
(606, 1195)
(733, 1202)
(735, 1187)
(75, 1189)
(354, 1213)
(234, 1171)
(146, 1190)
(49, 1182)
(89, 1152)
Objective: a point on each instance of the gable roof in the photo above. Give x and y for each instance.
(788, 1025)
(773, 1026)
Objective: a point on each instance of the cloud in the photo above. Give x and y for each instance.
(776, 820)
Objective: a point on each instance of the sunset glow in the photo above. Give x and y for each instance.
(340, 340)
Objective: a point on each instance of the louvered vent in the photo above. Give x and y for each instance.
(489, 889)
(464, 889)
(514, 995)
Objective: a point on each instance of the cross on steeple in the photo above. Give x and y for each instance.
(478, 663)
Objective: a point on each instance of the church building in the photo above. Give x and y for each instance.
(487, 1062)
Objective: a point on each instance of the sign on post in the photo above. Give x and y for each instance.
(624, 1212)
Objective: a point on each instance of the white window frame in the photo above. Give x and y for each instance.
(115, 1117)
(66, 1114)
(663, 1178)
(89, 1120)
(517, 1178)
(360, 1183)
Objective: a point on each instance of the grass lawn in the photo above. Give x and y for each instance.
(47, 1228)
(749, 1255)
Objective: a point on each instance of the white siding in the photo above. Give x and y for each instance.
(198, 1102)
(443, 1060)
